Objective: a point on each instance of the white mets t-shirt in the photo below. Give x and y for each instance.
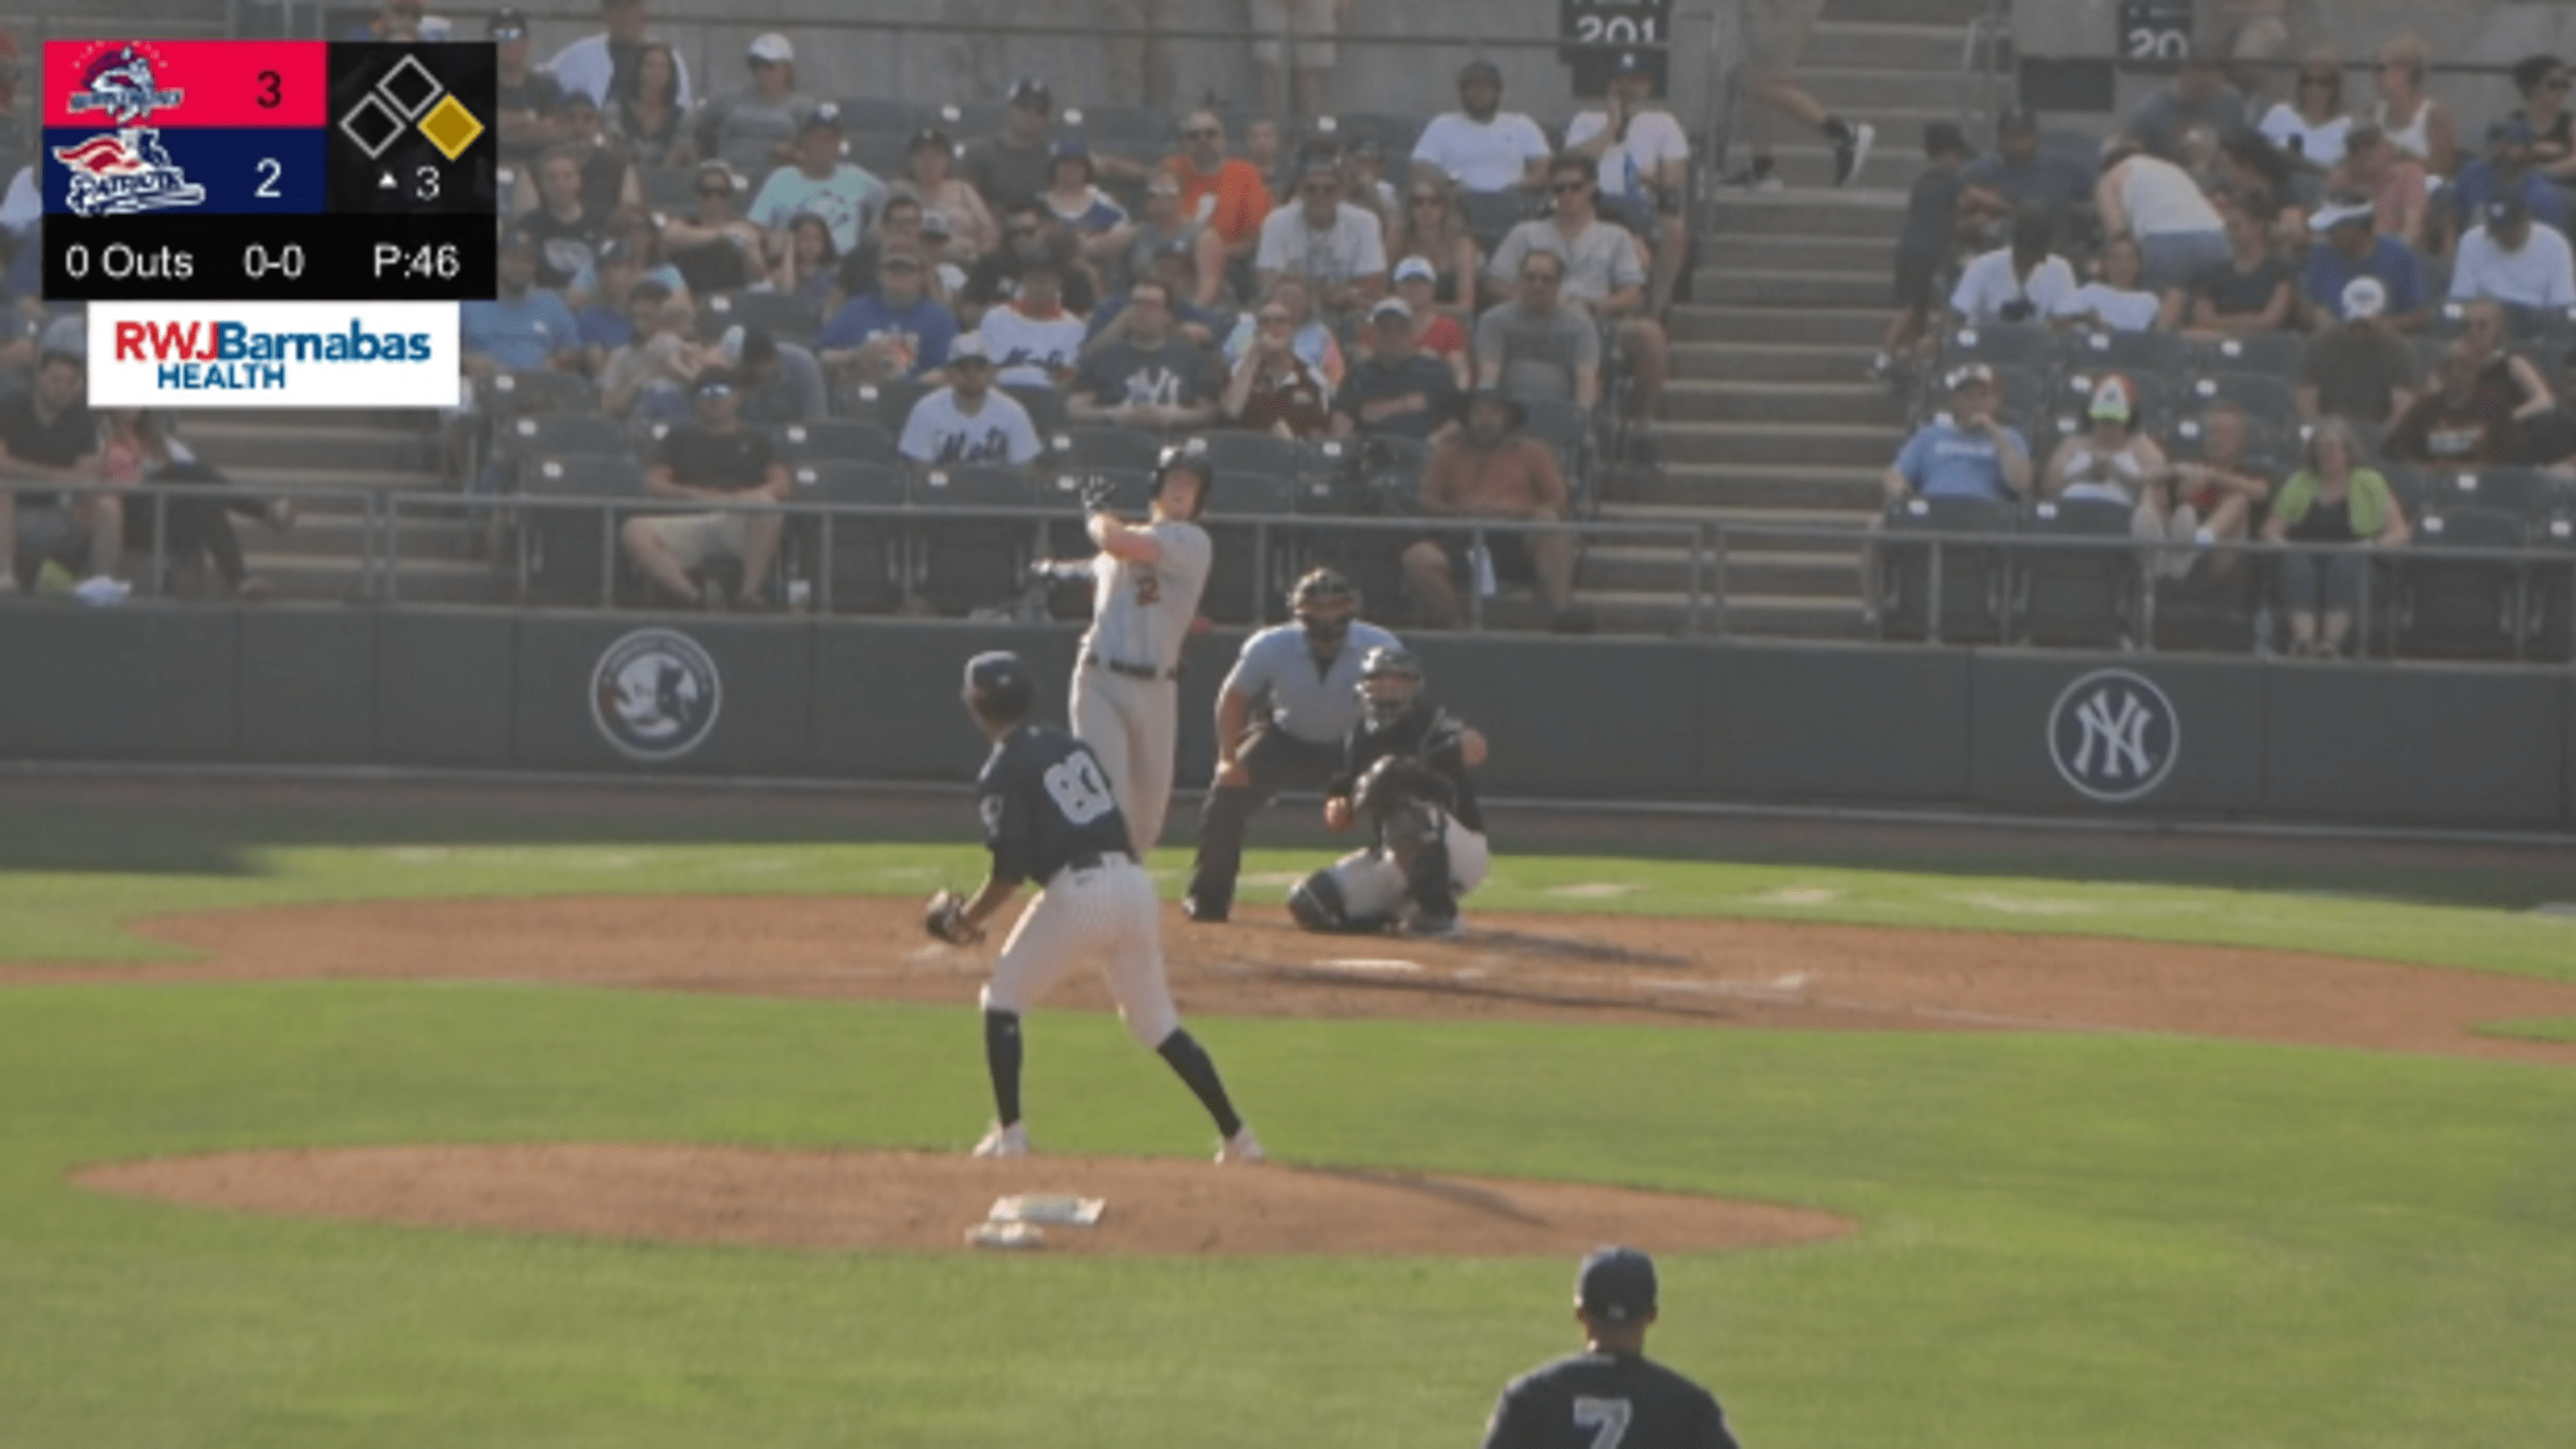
(1141, 612)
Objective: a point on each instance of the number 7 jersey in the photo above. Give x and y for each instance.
(1045, 803)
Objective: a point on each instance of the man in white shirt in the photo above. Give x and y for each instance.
(2514, 260)
(1337, 247)
(967, 421)
(1645, 165)
(821, 184)
(1033, 338)
(1603, 274)
(596, 65)
(1480, 145)
(2024, 282)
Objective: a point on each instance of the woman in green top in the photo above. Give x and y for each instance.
(2331, 501)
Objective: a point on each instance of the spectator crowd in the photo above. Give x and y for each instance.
(2320, 322)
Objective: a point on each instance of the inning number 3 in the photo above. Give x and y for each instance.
(1606, 1418)
(1083, 796)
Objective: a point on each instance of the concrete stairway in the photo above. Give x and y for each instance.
(1769, 420)
(307, 453)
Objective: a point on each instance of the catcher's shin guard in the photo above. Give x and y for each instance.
(1317, 903)
(1417, 836)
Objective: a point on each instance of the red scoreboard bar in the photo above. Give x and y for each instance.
(274, 170)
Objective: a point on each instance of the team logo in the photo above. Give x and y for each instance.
(2114, 736)
(120, 82)
(125, 172)
(655, 695)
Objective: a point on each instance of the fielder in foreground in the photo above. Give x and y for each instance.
(1049, 817)
(1609, 1394)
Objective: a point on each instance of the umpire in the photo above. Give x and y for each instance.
(1609, 1393)
(1304, 676)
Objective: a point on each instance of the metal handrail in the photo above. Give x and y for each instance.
(160, 496)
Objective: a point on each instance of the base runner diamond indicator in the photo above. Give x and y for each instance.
(451, 128)
(410, 86)
(373, 125)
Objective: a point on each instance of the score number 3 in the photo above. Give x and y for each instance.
(271, 90)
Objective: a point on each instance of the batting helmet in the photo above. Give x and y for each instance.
(998, 688)
(1322, 589)
(1191, 458)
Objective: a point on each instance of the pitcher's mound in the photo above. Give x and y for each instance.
(921, 1202)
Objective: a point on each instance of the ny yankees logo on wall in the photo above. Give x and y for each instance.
(2114, 736)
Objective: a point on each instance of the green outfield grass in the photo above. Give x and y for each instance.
(2099, 1241)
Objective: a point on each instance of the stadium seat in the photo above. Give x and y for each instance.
(789, 318)
(572, 552)
(2156, 394)
(880, 153)
(1231, 451)
(1395, 135)
(668, 188)
(2165, 354)
(1045, 405)
(1492, 214)
(2267, 454)
(878, 113)
(2261, 395)
(1254, 562)
(2460, 608)
(2091, 596)
(2549, 619)
(2001, 344)
(537, 390)
(1975, 582)
(1354, 479)
(965, 564)
(1097, 447)
(965, 121)
(1137, 131)
(2275, 354)
(856, 561)
(835, 440)
(887, 404)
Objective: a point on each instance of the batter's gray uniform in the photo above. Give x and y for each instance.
(1126, 694)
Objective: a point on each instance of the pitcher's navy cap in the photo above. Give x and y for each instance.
(1616, 1285)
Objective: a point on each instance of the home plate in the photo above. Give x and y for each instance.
(1593, 890)
(1368, 963)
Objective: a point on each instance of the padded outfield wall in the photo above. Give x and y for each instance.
(2474, 747)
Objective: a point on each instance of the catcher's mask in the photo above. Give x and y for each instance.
(1389, 679)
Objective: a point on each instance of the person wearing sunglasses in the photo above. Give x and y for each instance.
(2544, 120)
(2311, 125)
(603, 66)
(1644, 165)
(716, 247)
(1225, 192)
(712, 458)
(1434, 228)
(2417, 124)
(1336, 246)
(1602, 273)
(755, 127)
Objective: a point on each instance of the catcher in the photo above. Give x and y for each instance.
(1407, 778)
(1049, 816)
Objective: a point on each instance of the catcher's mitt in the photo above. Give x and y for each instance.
(945, 919)
(1393, 782)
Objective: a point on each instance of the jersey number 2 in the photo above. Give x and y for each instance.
(1075, 784)
(1606, 1418)
(1149, 588)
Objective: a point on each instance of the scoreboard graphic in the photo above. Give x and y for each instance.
(268, 171)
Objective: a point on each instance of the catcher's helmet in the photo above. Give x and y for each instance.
(998, 687)
(1192, 458)
(1389, 679)
(1322, 589)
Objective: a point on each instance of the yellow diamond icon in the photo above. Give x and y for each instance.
(450, 127)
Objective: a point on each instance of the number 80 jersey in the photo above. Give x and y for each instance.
(1045, 802)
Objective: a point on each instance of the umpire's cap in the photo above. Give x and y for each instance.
(998, 687)
(1616, 1285)
(1322, 589)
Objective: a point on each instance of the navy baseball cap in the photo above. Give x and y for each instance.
(1616, 1285)
(998, 685)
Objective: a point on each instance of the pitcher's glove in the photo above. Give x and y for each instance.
(945, 919)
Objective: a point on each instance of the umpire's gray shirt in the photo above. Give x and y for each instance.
(1318, 706)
